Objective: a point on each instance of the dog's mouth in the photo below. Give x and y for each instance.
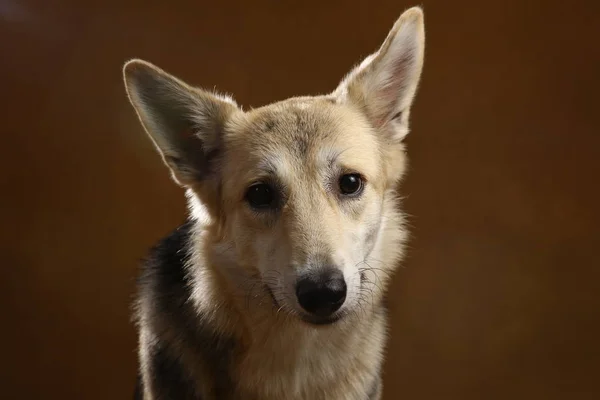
(321, 321)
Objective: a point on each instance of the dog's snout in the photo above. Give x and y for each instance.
(322, 293)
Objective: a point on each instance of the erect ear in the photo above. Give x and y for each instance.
(184, 123)
(384, 84)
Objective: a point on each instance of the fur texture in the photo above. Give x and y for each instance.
(217, 310)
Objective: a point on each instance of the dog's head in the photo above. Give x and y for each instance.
(302, 190)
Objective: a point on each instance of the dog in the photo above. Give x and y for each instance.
(274, 287)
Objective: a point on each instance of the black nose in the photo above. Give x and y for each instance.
(322, 293)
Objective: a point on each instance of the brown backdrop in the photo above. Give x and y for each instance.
(499, 297)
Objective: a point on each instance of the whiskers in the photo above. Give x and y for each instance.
(371, 288)
(258, 294)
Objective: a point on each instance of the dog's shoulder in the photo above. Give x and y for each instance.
(182, 336)
(165, 285)
(165, 262)
(163, 279)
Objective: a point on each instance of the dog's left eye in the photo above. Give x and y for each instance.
(261, 196)
(351, 184)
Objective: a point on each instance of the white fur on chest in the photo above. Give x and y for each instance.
(313, 363)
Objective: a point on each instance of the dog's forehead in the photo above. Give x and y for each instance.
(297, 121)
(302, 125)
(301, 136)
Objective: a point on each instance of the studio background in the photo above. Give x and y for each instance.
(499, 295)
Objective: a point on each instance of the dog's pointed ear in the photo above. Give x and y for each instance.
(184, 123)
(384, 84)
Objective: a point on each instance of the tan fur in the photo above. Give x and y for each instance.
(304, 144)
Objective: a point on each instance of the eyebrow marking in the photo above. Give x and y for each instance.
(333, 155)
(272, 166)
(266, 167)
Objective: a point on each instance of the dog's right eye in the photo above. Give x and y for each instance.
(261, 196)
(351, 184)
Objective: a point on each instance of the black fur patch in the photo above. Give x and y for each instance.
(169, 380)
(165, 280)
